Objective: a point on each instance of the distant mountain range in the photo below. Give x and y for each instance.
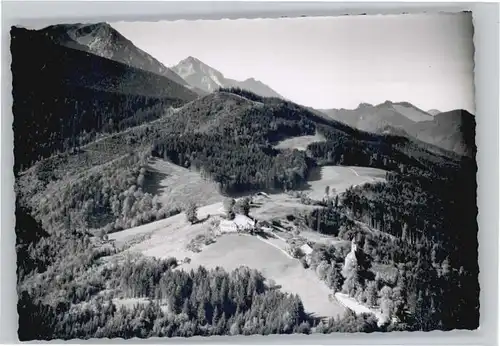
(448, 130)
(433, 112)
(200, 75)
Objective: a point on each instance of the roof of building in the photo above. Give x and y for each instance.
(240, 221)
(243, 221)
(306, 249)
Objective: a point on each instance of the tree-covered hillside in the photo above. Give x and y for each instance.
(64, 96)
(229, 135)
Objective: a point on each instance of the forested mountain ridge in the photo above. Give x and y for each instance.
(228, 136)
(211, 132)
(64, 96)
(103, 40)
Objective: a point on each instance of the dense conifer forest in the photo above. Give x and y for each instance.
(434, 274)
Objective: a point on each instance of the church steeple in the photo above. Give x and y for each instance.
(354, 246)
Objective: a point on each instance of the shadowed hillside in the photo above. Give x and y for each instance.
(104, 41)
(454, 130)
(63, 96)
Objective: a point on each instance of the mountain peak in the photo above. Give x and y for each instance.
(193, 64)
(94, 26)
(103, 40)
(103, 24)
(204, 77)
(199, 75)
(81, 29)
(364, 105)
(191, 59)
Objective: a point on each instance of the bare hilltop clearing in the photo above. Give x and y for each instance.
(176, 186)
(341, 178)
(300, 143)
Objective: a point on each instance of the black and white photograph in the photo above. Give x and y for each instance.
(309, 175)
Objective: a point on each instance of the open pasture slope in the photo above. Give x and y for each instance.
(177, 186)
(339, 179)
(299, 143)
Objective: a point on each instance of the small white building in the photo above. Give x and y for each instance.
(227, 226)
(240, 223)
(306, 250)
(263, 194)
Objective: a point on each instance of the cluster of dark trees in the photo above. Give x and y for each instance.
(178, 303)
(425, 217)
(435, 209)
(233, 146)
(237, 167)
(327, 220)
(199, 302)
(233, 207)
(351, 323)
(110, 197)
(353, 275)
(327, 262)
(350, 152)
(412, 293)
(87, 112)
(43, 255)
(28, 234)
(387, 152)
(432, 221)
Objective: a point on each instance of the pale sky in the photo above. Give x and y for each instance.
(330, 62)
